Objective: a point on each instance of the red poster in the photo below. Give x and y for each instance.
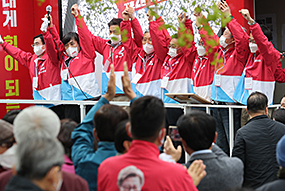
(20, 21)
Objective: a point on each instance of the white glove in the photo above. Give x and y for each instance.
(44, 25)
(1, 40)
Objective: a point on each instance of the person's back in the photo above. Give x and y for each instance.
(147, 119)
(255, 143)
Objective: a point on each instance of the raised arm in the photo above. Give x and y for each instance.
(84, 35)
(158, 37)
(51, 48)
(240, 36)
(137, 29)
(266, 48)
(279, 74)
(83, 134)
(21, 56)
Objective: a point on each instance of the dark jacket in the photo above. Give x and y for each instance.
(276, 185)
(71, 182)
(21, 184)
(255, 145)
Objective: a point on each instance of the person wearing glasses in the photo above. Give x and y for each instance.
(43, 69)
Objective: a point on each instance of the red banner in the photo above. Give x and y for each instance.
(20, 21)
(137, 4)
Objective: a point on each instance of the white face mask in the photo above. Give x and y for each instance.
(148, 48)
(223, 42)
(172, 52)
(253, 47)
(7, 159)
(201, 51)
(38, 50)
(115, 39)
(72, 51)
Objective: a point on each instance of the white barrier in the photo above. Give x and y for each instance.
(185, 107)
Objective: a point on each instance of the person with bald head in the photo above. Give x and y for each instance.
(40, 122)
(7, 148)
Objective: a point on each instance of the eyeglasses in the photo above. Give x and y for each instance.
(35, 44)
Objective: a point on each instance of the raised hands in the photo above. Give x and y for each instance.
(111, 91)
(224, 7)
(75, 10)
(149, 15)
(126, 82)
(45, 23)
(182, 18)
(197, 171)
(125, 14)
(170, 150)
(246, 15)
(129, 12)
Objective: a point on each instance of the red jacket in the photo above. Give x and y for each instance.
(279, 73)
(149, 83)
(158, 174)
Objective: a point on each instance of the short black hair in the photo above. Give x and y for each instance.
(266, 31)
(256, 102)
(197, 129)
(147, 118)
(121, 135)
(69, 36)
(106, 120)
(279, 115)
(11, 115)
(41, 37)
(64, 135)
(174, 36)
(115, 21)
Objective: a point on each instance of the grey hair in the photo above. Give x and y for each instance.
(36, 122)
(36, 156)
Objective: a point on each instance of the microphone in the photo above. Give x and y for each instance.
(48, 9)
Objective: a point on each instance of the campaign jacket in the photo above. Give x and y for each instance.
(261, 67)
(114, 54)
(44, 72)
(178, 69)
(279, 73)
(78, 73)
(232, 65)
(203, 68)
(148, 67)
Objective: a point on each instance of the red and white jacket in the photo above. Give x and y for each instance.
(148, 68)
(116, 55)
(44, 72)
(231, 68)
(203, 68)
(178, 69)
(261, 67)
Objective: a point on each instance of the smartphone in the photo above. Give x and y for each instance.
(174, 134)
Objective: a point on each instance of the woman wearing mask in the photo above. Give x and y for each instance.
(77, 69)
(148, 59)
(177, 66)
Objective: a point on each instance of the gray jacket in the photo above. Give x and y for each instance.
(223, 172)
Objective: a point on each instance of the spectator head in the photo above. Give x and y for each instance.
(106, 120)
(282, 102)
(71, 44)
(39, 159)
(257, 104)
(280, 152)
(11, 115)
(122, 140)
(147, 119)
(266, 31)
(227, 40)
(197, 131)
(279, 115)
(130, 178)
(64, 136)
(6, 136)
(37, 122)
(174, 48)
